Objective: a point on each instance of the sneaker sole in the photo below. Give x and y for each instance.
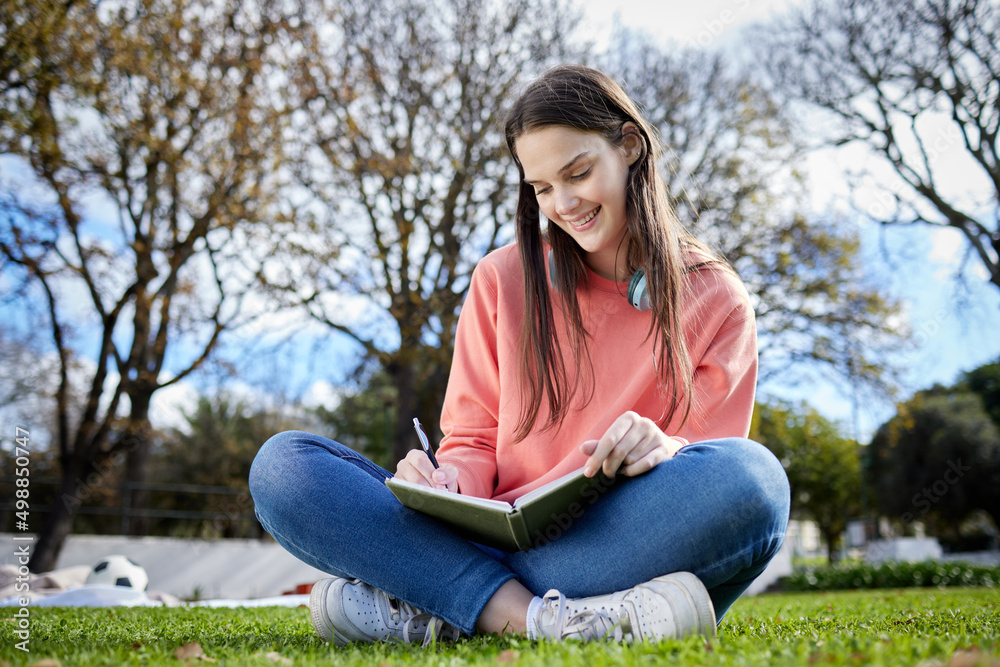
(697, 595)
(321, 620)
(317, 609)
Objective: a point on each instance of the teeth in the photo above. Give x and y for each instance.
(590, 216)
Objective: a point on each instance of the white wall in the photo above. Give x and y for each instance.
(231, 568)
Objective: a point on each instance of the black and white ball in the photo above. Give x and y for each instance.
(118, 570)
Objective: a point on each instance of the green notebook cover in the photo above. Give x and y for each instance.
(534, 519)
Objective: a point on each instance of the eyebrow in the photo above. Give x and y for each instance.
(566, 167)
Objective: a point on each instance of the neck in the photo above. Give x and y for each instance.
(611, 264)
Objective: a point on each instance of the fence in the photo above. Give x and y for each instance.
(228, 512)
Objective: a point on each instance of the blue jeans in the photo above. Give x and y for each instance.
(718, 509)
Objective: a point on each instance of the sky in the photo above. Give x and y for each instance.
(954, 328)
(707, 24)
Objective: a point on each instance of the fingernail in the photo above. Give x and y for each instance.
(588, 471)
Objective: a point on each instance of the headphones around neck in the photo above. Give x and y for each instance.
(637, 294)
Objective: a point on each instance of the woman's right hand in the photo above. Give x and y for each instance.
(417, 468)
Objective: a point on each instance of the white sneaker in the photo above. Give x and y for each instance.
(672, 606)
(346, 610)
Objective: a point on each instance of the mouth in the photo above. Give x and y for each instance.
(581, 222)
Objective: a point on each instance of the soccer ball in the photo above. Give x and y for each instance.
(118, 570)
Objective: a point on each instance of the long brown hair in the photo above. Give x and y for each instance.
(585, 99)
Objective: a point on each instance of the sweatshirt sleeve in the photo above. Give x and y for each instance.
(724, 357)
(471, 404)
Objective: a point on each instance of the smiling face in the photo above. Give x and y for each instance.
(579, 180)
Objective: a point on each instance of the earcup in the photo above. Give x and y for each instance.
(637, 294)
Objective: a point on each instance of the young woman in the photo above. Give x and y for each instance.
(559, 365)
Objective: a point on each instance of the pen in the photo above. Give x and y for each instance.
(423, 442)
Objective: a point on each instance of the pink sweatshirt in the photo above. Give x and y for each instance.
(482, 401)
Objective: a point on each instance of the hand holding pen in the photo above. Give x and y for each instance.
(421, 466)
(425, 443)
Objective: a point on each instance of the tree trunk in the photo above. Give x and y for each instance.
(832, 538)
(136, 441)
(431, 392)
(419, 379)
(404, 380)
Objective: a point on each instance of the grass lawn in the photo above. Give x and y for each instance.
(926, 627)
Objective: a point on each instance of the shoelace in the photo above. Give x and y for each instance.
(413, 618)
(586, 624)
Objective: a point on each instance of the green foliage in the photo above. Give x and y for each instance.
(837, 628)
(938, 460)
(222, 437)
(216, 449)
(824, 468)
(985, 383)
(365, 420)
(892, 574)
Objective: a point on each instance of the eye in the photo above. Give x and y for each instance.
(542, 191)
(582, 175)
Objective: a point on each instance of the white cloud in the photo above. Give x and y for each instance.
(168, 405)
(947, 248)
(321, 394)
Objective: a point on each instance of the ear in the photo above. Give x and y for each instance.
(632, 143)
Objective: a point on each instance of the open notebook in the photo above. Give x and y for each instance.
(534, 519)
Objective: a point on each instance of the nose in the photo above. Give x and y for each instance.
(566, 202)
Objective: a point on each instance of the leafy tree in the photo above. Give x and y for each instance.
(401, 147)
(365, 419)
(938, 460)
(733, 170)
(985, 383)
(909, 80)
(824, 468)
(216, 448)
(164, 113)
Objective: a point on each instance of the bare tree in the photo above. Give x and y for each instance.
(162, 112)
(732, 170)
(401, 144)
(910, 80)
(823, 467)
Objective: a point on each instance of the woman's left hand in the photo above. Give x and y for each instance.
(632, 444)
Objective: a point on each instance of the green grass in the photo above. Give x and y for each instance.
(929, 627)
